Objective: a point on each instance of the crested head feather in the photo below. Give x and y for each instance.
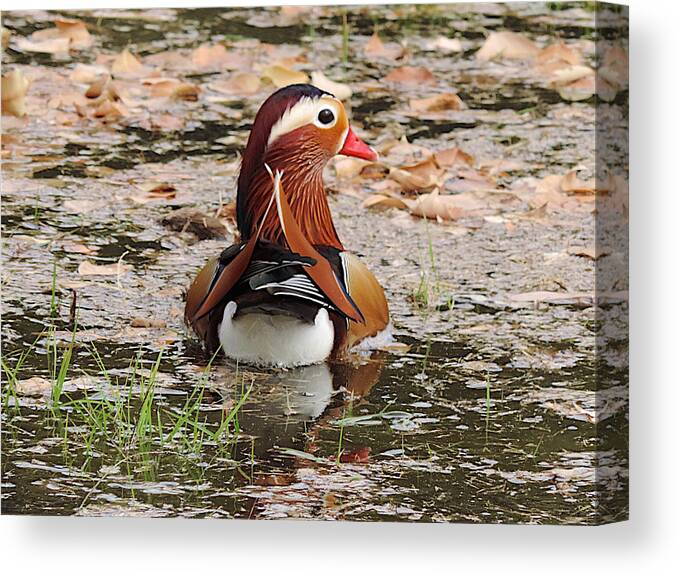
(270, 113)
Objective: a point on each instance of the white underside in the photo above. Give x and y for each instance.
(277, 340)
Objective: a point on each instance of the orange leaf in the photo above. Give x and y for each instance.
(14, 88)
(240, 84)
(453, 157)
(127, 64)
(76, 31)
(572, 184)
(361, 455)
(508, 45)
(282, 76)
(448, 207)
(217, 57)
(424, 175)
(411, 76)
(384, 201)
(87, 268)
(437, 103)
(375, 48)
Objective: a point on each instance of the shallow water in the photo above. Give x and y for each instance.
(488, 410)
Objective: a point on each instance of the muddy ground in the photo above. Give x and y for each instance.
(489, 406)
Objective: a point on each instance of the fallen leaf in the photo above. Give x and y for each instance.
(361, 455)
(127, 64)
(281, 76)
(147, 322)
(570, 74)
(227, 212)
(374, 171)
(163, 87)
(433, 206)
(340, 91)
(605, 90)
(401, 152)
(411, 76)
(169, 60)
(186, 91)
(33, 386)
(346, 168)
(555, 57)
(501, 166)
(87, 268)
(550, 296)
(575, 83)
(292, 15)
(73, 284)
(509, 45)
(78, 248)
(110, 110)
(537, 214)
(6, 35)
(14, 89)
(437, 103)
(244, 84)
(154, 190)
(547, 193)
(217, 57)
(451, 157)
(422, 176)
(573, 185)
(465, 179)
(615, 66)
(50, 45)
(156, 187)
(375, 48)
(87, 74)
(76, 31)
(559, 51)
(102, 87)
(384, 201)
(592, 253)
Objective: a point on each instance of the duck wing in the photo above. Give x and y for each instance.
(321, 273)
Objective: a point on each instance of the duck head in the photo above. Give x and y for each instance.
(297, 130)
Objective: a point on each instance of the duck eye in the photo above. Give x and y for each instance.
(326, 116)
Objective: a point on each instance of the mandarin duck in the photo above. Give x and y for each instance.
(288, 293)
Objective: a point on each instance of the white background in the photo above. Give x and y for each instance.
(647, 543)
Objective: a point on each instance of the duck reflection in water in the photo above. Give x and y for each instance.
(287, 409)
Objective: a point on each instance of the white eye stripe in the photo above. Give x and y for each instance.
(304, 112)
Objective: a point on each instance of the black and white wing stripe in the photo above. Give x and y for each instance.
(298, 285)
(280, 273)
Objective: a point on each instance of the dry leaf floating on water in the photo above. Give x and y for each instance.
(88, 268)
(375, 48)
(14, 89)
(509, 45)
(282, 76)
(411, 77)
(341, 91)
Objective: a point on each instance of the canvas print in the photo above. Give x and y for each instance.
(364, 263)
